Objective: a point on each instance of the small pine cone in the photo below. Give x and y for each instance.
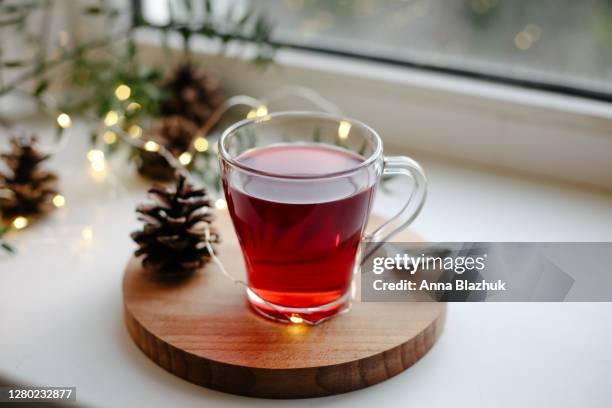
(176, 134)
(192, 94)
(26, 190)
(177, 228)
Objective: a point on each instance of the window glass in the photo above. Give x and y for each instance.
(559, 44)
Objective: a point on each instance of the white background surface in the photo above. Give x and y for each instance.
(61, 310)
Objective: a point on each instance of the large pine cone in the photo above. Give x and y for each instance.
(25, 190)
(192, 94)
(177, 228)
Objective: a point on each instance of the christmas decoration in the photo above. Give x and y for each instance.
(27, 191)
(178, 232)
(176, 134)
(191, 93)
(107, 80)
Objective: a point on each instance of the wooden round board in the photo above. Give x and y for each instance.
(202, 330)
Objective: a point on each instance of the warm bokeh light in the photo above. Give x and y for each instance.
(111, 118)
(95, 155)
(344, 129)
(296, 319)
(135, 131)
(151, 146)
(59, 200)
(185, 158)
(132, 106)
(109, 137)
(123, 92)
(200, 144)
(529, 36)
(64, 121)
(20, 222)
(96, 158)
(262, 110)
(220, 204)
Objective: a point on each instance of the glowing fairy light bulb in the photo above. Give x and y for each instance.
(132, 106)
(64, 121)
(58, 201)
(185, 158)
(111, 118)
(151, 146)
(135, 131)
(123, 92)
(20, 222)
(262, 110)
(109, 137)
(220, 204)
(95, 155)
(96, 158)
(200, 144)
(296, 319)
(344, 129)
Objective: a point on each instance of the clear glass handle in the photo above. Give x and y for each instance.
(405, 166)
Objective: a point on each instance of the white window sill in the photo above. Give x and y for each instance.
(475, 204)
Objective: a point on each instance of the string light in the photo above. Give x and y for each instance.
(111, 118)
(96, 158)
(523, 41)
(344, 129)
(529, 36)
(64, 121)
(220, 204)
(109, 137)
(59, 200)
(132, 106)
(123, 92)
(20, 222)
(262, 110)
(200, 144)
(185, 158)
(151, 146)
(135, 131)
(296, 318)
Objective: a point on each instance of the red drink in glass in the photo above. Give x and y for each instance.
(299, 187)
(299, 244)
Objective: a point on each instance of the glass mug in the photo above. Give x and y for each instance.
(299, 188)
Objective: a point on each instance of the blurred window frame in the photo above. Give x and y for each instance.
(493, 122)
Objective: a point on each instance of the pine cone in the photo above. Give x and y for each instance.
(177, 228)
(174, 133)
(27, 190)
(192, 94)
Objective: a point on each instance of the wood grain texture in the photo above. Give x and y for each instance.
(202, 330)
